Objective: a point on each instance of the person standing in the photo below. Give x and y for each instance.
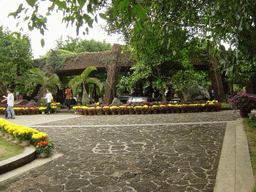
(49, 99)
(68, 94)
(10, 103)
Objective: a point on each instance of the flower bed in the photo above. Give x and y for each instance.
(29, 109)
(244, 102)
(23, 136)
(148, 108)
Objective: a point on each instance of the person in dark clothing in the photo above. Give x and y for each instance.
(156, 93)
(149, 91)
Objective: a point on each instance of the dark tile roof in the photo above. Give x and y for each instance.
(98, 60)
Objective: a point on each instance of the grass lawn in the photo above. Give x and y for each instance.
(250, 130)
(8, 150)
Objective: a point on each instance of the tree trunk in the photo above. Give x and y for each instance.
(162, 90)
(85, 99)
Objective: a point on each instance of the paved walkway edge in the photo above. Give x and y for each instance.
(29, 166)
(28, 155)
(129, 125)
(235, 170)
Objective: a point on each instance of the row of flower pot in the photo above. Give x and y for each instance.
(10, 138)
(121, 110)
(24, 136)
(32, 110)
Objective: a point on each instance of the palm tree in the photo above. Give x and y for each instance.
(84, 79)
(40, 77)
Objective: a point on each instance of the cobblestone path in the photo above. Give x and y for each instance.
(122, 157)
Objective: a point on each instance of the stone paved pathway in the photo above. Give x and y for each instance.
(132, 154)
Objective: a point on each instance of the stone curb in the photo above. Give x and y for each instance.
(28, 155)
(31, 165)
(235, 172)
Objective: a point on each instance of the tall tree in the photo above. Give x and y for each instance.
(85, 79)
(15, 58)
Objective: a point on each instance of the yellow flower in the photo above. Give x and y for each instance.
(39, 135)
(41, 108)
(113, 107)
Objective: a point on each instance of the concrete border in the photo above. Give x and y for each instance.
(29, 166)
(235, 172)
(28, 155)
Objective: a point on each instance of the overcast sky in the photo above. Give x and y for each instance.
(56, 29)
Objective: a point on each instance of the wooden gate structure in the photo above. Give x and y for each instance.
(114, 61)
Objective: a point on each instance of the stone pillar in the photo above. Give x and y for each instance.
(112, 71)
(217, 83)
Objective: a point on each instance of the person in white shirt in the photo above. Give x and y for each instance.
(10, 103)
(49, 99)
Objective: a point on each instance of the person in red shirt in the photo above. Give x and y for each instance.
(68, 94)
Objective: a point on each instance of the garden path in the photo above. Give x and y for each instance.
(157, 152)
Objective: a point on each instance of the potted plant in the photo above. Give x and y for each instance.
(114, 110)
(99, 110)
(155, 109)
(162, 108)
(44, 147)
(24, 134)
(107, 110)
(144, 109)
(120, 111)
(244, 102)
(131, 110)
(91, 111)
(137, 109)
(126, 110)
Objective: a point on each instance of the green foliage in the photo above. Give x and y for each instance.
(238, 67)
(169, 67)
(191, 79)
(250, 124)
(236, 24)
(44, 146)
(84, 79)
(69, 49)
(250, 129)
(15, 57)
(54, 60)
(73, 13)
(40, 77)
(226, 106)
(149, 26)
(77, 45)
